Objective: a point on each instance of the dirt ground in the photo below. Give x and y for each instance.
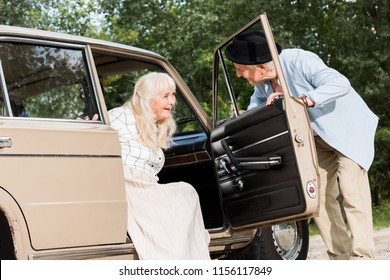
(317, 248)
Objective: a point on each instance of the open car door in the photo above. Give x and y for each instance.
(265, 158)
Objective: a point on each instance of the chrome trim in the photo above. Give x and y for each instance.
(256, 143)
(220, 242)
(4, 92)
(51, 120)
(87, 56)
(262, 141)
(5, 142)
(228, 240)
(41, 42)
(85, 253)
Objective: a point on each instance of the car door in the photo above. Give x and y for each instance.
(59, 165)
(265, 158)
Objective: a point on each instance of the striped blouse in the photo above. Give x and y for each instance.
(134, 153)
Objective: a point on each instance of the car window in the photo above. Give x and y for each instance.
(238, 94)
(47, 81)
(232, 93)
(186, 120)
(118, 76)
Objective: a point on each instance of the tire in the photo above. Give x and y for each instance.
(287, 241)
(6, 244)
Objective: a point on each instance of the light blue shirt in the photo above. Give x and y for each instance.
(340, 116)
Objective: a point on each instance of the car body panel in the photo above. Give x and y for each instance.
(64, 179)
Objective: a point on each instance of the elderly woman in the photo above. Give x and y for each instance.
(164, 220)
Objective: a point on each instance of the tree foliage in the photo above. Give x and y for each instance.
(351, 36)
(68, 16)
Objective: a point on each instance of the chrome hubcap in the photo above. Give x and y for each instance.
(286, 240)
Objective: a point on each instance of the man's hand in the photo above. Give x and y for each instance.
(307, 101)
(271, 98)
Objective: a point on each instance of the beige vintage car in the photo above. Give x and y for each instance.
(62, 190)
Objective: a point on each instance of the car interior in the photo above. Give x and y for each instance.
(188, 158)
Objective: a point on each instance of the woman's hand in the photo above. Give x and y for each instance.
(95, 117)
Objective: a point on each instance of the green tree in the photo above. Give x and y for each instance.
(380, 172)
(20, 12)
(351, 36)
(67, 16)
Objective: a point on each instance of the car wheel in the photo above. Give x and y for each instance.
(286, 241)
(7, 251)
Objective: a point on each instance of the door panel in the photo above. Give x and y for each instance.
(68, 181)
(269, 191)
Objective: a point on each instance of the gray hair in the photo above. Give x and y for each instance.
(145, 90)
(270, 65)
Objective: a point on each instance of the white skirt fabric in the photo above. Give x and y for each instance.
(164, 220)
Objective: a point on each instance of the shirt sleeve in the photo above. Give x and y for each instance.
(328, 84)
(260, 95)
(124, 122)
(116, 119)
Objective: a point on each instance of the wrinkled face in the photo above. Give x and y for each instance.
(162, 104)
(254, 73)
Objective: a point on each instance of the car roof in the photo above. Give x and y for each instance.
(23, 32)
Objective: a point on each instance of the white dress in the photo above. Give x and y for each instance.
(164, 220)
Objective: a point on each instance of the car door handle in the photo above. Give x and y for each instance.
(250, 162)
(5, 142)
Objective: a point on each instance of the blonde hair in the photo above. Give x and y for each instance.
(153, 135)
